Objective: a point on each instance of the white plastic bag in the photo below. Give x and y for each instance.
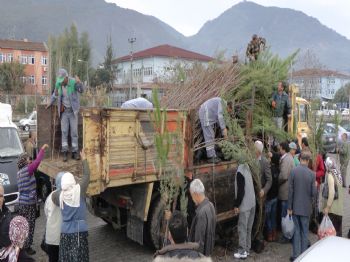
(288, 226)
(326, 228)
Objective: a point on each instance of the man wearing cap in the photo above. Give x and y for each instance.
(293, 150)
(68, 104)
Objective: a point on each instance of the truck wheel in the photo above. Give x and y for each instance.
(155, 223)
(26, 128)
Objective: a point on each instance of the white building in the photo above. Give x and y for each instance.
(153, 66)
(318, 83)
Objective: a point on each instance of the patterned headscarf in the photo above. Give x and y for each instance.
(22, 161)
(18, 233)
(331, 167)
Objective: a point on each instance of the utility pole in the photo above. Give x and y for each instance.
(131, 40)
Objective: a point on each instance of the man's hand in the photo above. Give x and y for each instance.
(290, 212)
(45, 146)
(224, 133)
(236, 211)
(273, 104)
(289, 116)
(326, 211)
(82, 155)
(77, 79)
(262, 193)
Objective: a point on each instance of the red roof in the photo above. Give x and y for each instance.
(23, 45)
(313, 72)
(166, 51)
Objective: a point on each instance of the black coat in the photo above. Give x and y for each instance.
(5, 219)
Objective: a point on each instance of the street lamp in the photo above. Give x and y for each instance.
(87, 70)
(131, 40)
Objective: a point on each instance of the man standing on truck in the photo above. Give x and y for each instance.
(203, 224)
(30, 145)
(68, 104)
(211, 114)
(281, 105)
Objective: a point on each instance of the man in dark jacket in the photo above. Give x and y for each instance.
(281, 105)
(204, 223)
(179, 249)
(302, 190)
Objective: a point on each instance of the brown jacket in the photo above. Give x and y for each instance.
(286, 166)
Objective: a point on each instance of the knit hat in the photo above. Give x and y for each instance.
(259, 146)
(292, 145)
(61, 75)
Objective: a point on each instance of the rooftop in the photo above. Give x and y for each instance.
(166, 51)
(319, 73)
(23, 45)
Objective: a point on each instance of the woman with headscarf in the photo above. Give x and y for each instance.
(18, 233)
(333, 203)
(74, 230)
(27, 192)
(53, 223)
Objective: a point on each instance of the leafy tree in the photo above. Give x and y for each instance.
(10, 77)
(342, 95)
(70, 51)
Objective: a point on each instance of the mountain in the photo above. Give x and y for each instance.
(36, 19)
(285, 30)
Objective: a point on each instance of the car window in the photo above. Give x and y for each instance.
(10, 144)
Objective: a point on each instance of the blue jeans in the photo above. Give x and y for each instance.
(270, 214)
(69, 121)
(301, 234)
(284, 208)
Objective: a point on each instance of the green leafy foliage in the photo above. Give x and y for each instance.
(10, 77)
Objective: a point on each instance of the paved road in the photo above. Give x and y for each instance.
(106, 244)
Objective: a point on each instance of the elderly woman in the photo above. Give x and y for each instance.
(333, 201)
(53, 223)
(18, 233)
(74, 229)
(27, 192)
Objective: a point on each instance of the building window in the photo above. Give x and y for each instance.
(31, 80)
(148, 71)
(31, 60)
(44, 60)
(10, 58)
(24, 59)
(2, 58)
(23, 79)
(44, 80)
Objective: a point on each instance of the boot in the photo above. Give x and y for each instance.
(75, 156)
(65, 157)
(269, 237)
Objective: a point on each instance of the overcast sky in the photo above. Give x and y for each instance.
(188, 16)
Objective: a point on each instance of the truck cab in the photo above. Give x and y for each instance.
(10, 150)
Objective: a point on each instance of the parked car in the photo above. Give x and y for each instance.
(331, 128)
(328, 249)
(27, 123)
(345, 112)
(329, 140)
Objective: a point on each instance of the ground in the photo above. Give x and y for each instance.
(106, 244)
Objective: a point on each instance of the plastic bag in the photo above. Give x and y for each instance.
(288, 226)
(326, 228)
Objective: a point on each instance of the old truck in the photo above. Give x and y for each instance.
(124, 186)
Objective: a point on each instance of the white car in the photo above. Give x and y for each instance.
(345, 112)
(328, 249)
(28, 122)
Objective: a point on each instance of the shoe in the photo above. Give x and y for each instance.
(30, 251)
(241, 254)
(274, 235)
(214, 160)
(75, 156)
(65, 157)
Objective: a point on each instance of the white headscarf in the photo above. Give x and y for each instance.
(70, 194)
(331, 167)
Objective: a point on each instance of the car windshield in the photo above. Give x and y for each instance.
(10, 144)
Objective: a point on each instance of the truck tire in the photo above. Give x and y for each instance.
(155, 223)
(45, 190)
